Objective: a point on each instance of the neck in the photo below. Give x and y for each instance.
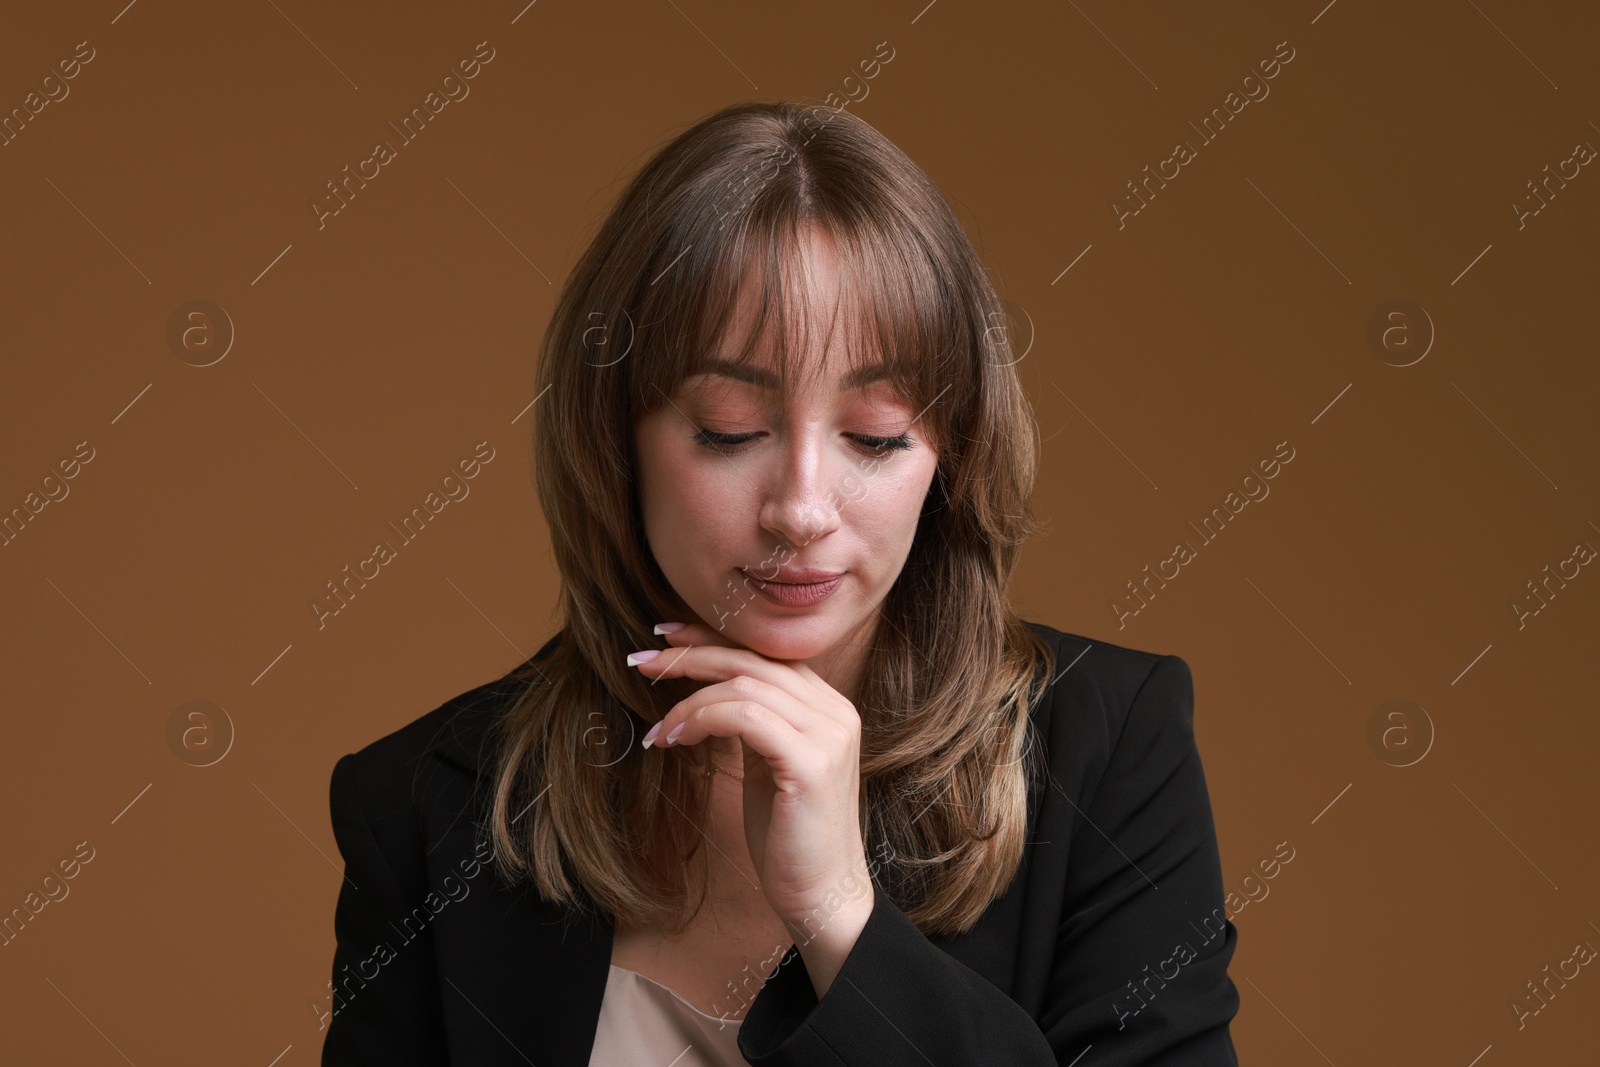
(842, 665)
(728, 752)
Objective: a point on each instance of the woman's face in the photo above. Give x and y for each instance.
(807, 484)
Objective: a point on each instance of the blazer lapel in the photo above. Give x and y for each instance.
(521, 980)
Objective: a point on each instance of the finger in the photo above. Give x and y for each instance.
(761, 730)
(715, 663)
(697, 633)
(802, 716)
(804, 670)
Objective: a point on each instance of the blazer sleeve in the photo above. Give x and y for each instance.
(1144, 876)
(1145, 940)
(386, 1008)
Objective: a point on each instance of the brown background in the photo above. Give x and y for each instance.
(1230, 315)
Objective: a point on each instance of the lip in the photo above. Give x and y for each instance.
(797, 575)
(797, 594)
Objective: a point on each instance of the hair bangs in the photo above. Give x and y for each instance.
(752, 307)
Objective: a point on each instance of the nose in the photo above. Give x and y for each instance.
(799, 504)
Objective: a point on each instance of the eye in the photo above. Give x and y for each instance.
(733, 442)
(876, 445)
(722, 442)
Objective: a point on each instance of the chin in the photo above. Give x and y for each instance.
(796, 637)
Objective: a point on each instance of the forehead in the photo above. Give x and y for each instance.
(791, 311)
(725, 370)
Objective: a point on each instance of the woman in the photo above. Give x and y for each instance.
(855, 811)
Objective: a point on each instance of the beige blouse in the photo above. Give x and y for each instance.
(644, 1022)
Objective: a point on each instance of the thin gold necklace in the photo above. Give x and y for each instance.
(715, 767)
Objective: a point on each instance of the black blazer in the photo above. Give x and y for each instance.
(1112, 940)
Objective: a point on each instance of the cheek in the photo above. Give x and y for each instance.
(681, 497)
(888, 502)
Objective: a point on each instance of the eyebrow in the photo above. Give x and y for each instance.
(765, 379)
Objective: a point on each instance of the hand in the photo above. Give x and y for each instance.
(802, 769)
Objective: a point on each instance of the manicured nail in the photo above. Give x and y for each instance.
(668, 627)
(651, 736)
(673, 736)
(636, 658)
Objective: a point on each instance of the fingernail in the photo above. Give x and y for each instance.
(651, 736)
(668, 627)
(673, 736)
(636, 658)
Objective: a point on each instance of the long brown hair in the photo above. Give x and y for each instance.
(947, 758)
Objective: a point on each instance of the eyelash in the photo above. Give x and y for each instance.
(723, 442)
